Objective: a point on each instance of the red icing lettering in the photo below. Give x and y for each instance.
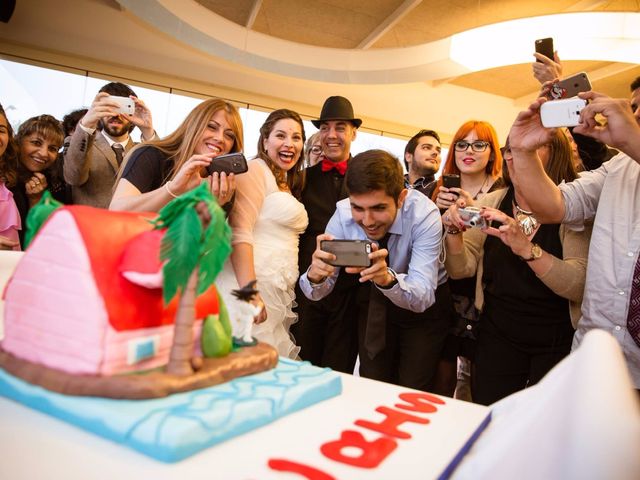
(371, 453)
(389, 426)
(419, 402)
(281, 465)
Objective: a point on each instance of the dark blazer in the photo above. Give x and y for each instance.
(321, 193)
(90, 167)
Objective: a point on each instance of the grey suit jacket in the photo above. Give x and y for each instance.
(90, 167)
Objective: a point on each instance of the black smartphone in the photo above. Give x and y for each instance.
(451, 180)
(349, 253)
(229, 163)
(544, 46)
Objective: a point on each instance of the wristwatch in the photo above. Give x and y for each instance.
(393, 282)
(536, 253)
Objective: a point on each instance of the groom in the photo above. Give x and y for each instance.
(326, 331)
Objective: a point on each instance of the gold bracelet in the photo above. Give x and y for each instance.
(166, 187)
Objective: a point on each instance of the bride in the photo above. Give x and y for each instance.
(266, 220)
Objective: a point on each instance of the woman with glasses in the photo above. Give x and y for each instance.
(475, 156)
(529, 280)
(312, 150)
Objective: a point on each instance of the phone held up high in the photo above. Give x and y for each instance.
(570, 86)
(228, 163)
(544, 46)
(562, 113)
(126, 104)
(349, 253)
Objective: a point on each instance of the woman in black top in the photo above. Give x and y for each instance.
(154, 173)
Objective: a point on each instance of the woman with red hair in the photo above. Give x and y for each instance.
(475, 156)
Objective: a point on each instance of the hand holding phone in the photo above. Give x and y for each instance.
(544, 46)
(349, 253)
(451, 180)
(562, 113)
(228, 163)
(125, 104)
(570, 86)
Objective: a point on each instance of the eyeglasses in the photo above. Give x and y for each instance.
(316, 150)
(506, 152)
(476, 146)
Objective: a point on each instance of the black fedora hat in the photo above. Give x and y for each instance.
(337, 108)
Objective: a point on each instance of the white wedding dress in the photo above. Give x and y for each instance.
(272, 220)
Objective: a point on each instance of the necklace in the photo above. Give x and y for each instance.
(528, 223)
(475, 197)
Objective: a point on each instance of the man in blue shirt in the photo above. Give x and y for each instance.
(397, 342)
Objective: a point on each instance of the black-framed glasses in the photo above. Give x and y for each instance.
(316, 150)
(476, 146)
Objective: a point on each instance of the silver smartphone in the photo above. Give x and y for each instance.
(349, 253)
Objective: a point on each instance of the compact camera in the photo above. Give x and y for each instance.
(471, 217)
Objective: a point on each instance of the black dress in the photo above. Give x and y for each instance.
(525, 328)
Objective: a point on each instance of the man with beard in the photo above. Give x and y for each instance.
(94, 152)
(422, 159)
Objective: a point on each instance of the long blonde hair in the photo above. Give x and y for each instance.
(181, 144)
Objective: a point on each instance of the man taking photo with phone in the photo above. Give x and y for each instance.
(396, 342)
(94, 152)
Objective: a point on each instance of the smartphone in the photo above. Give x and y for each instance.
(126, 105)
(544, 46)
(451, 180)
(562, 113)
(570, 86)
(229, 163)
(349, 253)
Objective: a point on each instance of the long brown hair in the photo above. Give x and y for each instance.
(485, 132)
(294, 178)
(560, 166)
(181, 144)
(9, 159)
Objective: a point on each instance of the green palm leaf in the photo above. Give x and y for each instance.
(185, 246)
(179, 248)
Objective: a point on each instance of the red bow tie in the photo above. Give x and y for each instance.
(340, 167)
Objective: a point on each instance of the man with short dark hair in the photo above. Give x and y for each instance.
(422, 159)
(397, 342)
(326, 331)
(94, 152)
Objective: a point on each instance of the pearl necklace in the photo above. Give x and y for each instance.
(528, 223)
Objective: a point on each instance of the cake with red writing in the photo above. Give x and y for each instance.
(89, 336)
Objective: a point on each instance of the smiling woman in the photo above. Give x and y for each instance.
(154, 173)
(39, 140)
(267, 219)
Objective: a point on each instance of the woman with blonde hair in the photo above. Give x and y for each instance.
(267, 220)
(155, 172)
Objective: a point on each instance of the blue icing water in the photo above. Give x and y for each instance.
(175, 427)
